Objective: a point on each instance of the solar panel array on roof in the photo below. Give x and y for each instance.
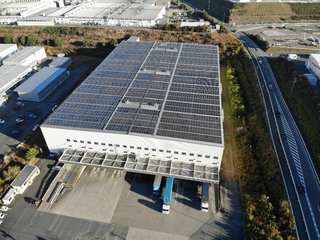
(165, 89)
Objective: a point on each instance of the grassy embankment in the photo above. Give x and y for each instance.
(229, 162)
(304, 101)
(265, 203)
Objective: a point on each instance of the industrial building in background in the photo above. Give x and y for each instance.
(149, 107)
(41, 84)
(313, 65)
(137, 13)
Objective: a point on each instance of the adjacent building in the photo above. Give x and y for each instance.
(28, 56)
(6, 50)
(41, 84)
(149, 107)
(10, 75)
(25, 178)
(21, 182)
(313, 64)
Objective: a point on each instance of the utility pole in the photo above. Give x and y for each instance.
(295, 80)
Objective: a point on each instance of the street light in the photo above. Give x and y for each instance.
(294, 82)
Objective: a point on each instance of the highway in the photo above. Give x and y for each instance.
(300, 178)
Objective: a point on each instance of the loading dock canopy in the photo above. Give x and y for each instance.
(147, 165)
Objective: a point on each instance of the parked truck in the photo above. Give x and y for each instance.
(167, 195)
(157, 184)
(205, 197)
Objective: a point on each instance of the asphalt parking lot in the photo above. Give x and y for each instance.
(125, 203)
(11, 134)
(288, 36)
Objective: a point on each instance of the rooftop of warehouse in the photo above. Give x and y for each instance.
(24, 175)
(40, 79)
(6, 46)
(22, 54)
(150, 88)
(9, 73)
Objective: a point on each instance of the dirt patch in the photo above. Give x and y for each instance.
(228, 164)
(260, 12)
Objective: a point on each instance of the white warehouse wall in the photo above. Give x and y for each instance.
(38, 56)
(6, 52)
(56, 139)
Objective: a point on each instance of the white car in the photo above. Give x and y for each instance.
(1, 221)
(4, 208)
(2, 215)
(2, 121)
(20, 120)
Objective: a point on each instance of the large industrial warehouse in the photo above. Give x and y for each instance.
(149, 107)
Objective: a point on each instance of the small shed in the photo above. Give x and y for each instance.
(25, 178)
(60, 62)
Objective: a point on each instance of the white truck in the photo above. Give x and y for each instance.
(205, 197)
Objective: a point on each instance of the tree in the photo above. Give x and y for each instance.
(85, 43)
(11, 172)
(57, 42)
(32, 153)
(8, 38)
(114, 42)
(23, 40)
(32, 40)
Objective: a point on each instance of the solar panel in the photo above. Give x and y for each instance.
(153, 88)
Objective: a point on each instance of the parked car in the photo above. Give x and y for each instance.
(20, 104)
(54, 107)
(15, 132)
(4, 208)
(19, 120)
(2, 121)
(33, 116)
(2, 215)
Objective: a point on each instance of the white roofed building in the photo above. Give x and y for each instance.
(9, 76)
(25, 178)
(313, 64)
(149, 107)
(6, 50)
(28, 56)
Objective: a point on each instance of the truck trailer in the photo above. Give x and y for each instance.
(157, 184)
(205, 197)
(167, 195)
